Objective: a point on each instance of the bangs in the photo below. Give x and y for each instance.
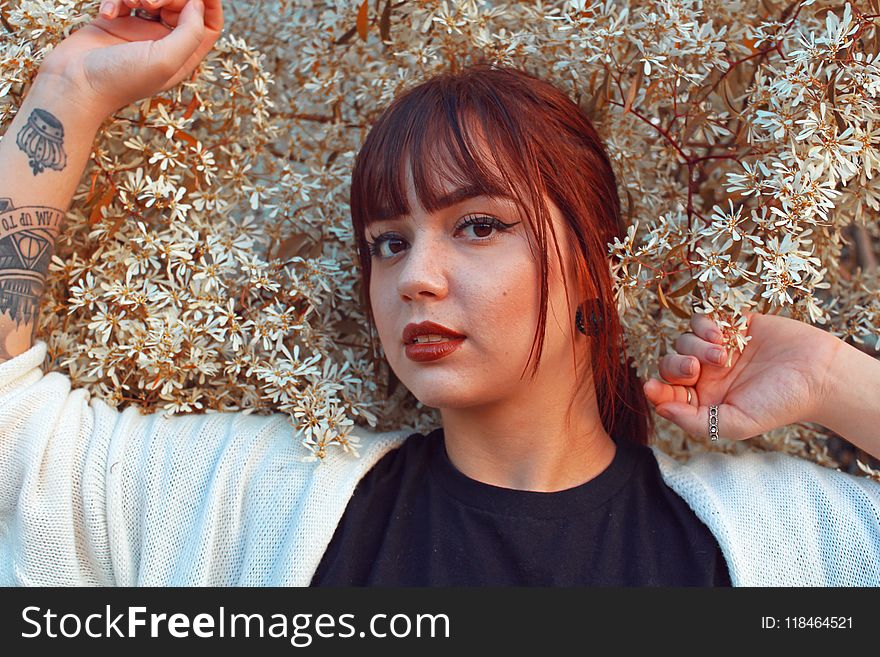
(454, 141)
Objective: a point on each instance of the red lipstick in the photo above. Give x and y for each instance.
(428, 351)
(423, 353)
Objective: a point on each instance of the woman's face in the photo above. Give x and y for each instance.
(481, 281)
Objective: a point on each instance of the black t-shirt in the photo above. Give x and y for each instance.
(416, 520)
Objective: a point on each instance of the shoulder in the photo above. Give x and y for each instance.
(769, 472)
(404, 457)
(241, 494)
(809, 523)
(392, 438)
(366, 448)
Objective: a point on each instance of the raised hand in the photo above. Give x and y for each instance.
(118, 58)
(779, 378)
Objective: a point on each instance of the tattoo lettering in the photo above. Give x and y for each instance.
(42, 140)
(27, 237)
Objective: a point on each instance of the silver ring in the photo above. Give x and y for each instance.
(689, 394)
(147, 15)
(713, 422)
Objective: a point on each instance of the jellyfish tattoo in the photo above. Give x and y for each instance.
(42, 140)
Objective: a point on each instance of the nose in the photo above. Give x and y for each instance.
(424, 270)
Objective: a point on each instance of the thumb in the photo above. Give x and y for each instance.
(178, 46)
(696, 420)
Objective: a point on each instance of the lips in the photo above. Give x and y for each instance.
(411, 330)
(424, 352)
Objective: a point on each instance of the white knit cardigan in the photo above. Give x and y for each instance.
(92, 496)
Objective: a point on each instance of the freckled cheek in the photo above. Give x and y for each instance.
(502, 314)
(385, 312)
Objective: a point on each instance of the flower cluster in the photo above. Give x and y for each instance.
(208, 259)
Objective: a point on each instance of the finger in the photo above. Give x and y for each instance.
(177, 47)
(170, 17)
(676, 368)
(110, 9)
(213, 12)
(659, 392)
(706, 328)
(214, 15)
(708, 353)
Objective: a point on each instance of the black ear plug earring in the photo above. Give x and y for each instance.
(594, 314)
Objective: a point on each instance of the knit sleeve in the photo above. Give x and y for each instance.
(782, 520)
(53, 448)
(93, 496)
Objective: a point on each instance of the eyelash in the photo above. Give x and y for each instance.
(481, 220)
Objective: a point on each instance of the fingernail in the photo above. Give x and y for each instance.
(717, 354)
(664, 413)
(716, 336)
(107, 8)
(687, 367)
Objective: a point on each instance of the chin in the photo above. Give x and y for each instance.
(442, 396)
(442, 404)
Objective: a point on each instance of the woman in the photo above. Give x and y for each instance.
(536, 477)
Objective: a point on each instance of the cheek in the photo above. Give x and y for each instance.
(384, 314)
(504, 303)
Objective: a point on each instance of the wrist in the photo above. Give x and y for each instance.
(850, 400)
(56, 88)
(829, 394)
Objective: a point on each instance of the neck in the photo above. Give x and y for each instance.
(527, 446)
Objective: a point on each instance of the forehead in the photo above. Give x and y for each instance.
(446, 185)
(453, 194)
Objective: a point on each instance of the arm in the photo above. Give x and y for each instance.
(790, 371)
(851, 406)
(67, 515)
(85, 78)
(42, 157)
(93, 496)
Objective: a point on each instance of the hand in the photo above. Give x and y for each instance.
(779, 378)
(118, 59)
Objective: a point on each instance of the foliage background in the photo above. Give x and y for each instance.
(208, 261)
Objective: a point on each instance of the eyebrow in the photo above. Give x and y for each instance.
(462, 194)
(457, 196)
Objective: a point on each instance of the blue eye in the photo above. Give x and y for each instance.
(482, 222)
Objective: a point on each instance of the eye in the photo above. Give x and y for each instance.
(482, 224)
(375, 246)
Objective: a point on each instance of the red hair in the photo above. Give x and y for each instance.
(542, 143)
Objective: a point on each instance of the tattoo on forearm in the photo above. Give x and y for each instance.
(27, 238)
(42, 140)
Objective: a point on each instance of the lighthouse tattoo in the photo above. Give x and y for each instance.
(27, 236)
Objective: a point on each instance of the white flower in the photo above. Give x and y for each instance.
(178, 210)
(750, 182)
(713, 265)
(730, 223)
(837, 30)
(206, 163)
(170, 123)
(83, 294)
(105, 320)
(167, 158)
